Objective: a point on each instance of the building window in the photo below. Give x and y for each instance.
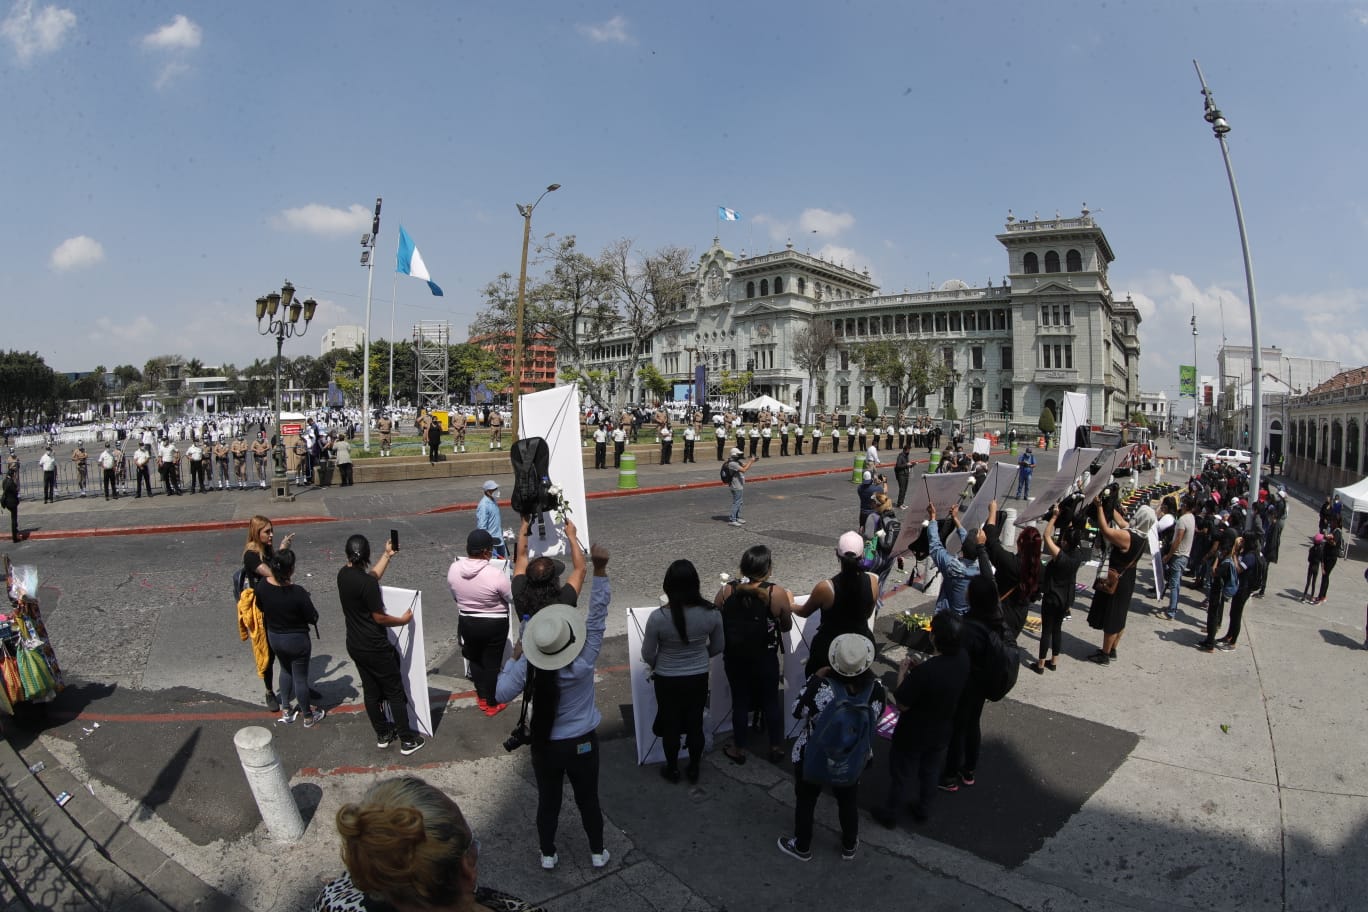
(976, 398)
(750, 289)
(764, 287)
(802, 285)
(1336, 442)
(868, 394)
(1351, 446)
(948, 354)
(1007, 399)
(970, 324)
(845, 360)
(1045, 357)
(821, 394)
(1073, 261)
(948, 397)
(888, 325)
(1006, 357)
(1000, 320)
(1051, 261)
(1068, 357)
(941, 323)
(1030, 263)
(955, 321)
(861, 326)
(976, 357)
(843, 395)
(892, 399)
(779, 286)
(1068, 320)
(1059, 356)
(900, 324)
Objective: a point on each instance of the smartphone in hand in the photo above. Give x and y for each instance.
(394, 539)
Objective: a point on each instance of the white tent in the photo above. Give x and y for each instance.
(1354, 498)
(767, 402)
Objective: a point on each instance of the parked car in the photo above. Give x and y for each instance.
(1229, 454)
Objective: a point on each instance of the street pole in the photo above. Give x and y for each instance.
(520, 315)
(1219, 128)
(1196, 402)
(368, 260)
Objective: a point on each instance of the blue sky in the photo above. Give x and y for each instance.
(168, 163)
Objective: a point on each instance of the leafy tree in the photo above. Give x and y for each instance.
(734, 385)
(1047, 421)
(654, 382)
(811, 347)
(26, 385)
(871, 409)
(469, 365)
(1138, 419)
(124, 374)
(195, 368)
(911, 370)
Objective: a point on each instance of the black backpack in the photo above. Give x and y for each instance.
(1002, 664)
(726, 472)
(746, 625)
(531, 459)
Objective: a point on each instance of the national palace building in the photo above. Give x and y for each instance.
(1051, 327)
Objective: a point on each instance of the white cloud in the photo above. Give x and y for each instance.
(178, 34)
(170, 73)
(825, 223)
(36, 32)
(1361, 16)
(76, 253)
(614, 31)
(315, 218)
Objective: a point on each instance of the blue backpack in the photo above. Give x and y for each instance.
(842, 738)
(1230, 584)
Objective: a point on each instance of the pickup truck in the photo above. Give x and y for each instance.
(1228, 454)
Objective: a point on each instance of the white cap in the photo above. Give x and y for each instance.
(736, 452)
(868, 476)
(851, 544)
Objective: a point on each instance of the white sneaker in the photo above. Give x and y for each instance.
(599, 859)
(740, 520)
(549, 862)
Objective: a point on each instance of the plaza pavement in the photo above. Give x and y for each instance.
(1170, 780)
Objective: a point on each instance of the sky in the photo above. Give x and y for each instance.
(170, 162)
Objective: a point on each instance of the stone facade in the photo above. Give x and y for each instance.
(1052, 326)
(1326, 432)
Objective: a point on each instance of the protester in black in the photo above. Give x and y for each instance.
(983, 621)
(1058, 588)
(288, 612)
(376, 659)
(846, 601)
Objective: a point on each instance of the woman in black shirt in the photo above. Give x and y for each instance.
(256, 564)
(288, 611)
(1058, 589)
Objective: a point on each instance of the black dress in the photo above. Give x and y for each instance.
(1109, 610)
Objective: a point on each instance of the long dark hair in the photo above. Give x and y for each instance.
(544, 591)
(682, 590)
(545, 703)
(984, 606)
(1028, 564)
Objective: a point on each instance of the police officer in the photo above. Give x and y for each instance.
(458, 431)
(619, 442)
(221, 454)
(195, 453)
(107, 482)
(690, 435)
(239, 453)
(600, 447)
(766, 433)
(82, 460)
(666, 444)
(385, 427)
(495, 430)
(720, 432)
(260, 450)
(48, 463)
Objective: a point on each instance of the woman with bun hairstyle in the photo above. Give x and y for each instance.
(408, 848)
(256, 564)
(288, 611)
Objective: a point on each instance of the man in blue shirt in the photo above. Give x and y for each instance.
(956, 572)
(487, 517)
(1025, 465)
(870, 485)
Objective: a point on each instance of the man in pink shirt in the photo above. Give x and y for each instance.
(483, 596)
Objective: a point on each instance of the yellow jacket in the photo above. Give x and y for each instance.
(251, 625)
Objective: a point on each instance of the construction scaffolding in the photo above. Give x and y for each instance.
(430, 341)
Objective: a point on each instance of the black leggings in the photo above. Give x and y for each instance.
(1051, 629)
(1237, 606)
(578, 760)
(382, 682)
(1325, 580)
(482, 645)
(1312, 573)
(679, 711)
(962, 754)
(806, 807)
(755, 685)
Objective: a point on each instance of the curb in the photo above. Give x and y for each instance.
(216, 526)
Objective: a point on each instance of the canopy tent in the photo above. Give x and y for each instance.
(767, 402)
(1354, 497)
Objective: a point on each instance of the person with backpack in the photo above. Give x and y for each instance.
(1225, 583)
(927, 694)
(257, 556)
(733, 474)
(840, 706)
(1252, 567)
(845, 601)
(993, 664)
(680, 639)
(1017, 575)
(754, 613)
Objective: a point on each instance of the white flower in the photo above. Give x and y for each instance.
(554, 491)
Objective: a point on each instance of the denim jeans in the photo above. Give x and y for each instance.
(738, 496)
(1173, 576)
(293, 650)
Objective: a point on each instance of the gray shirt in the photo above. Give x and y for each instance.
(662, 649)
(738, 475)
(1186, 527)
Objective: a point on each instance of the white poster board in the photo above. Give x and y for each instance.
(408, 639)
(982, 446)
(553, 415)
(716, 718)
(1075, 415)
(1155, 550)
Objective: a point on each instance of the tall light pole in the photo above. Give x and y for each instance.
(1219, 128)
(1196, 406)
(287, 326)
(368, 260)
(526, 213)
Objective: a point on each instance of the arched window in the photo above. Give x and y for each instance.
(1301, 439)
(1336, 443)
(1291, 439)
(750, 289)
(1051, 261)
(802, 286)
(1073, 261)
(1351, 445)
(1050, 404)
(1324, 444)
(1030, 263)
(764, 287)
(779, 286)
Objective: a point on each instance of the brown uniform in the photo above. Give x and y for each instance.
(386, 428)
(495, 430)
(82, 460)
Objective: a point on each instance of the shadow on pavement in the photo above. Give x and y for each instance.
(1335, 638)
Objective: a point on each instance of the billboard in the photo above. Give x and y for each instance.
(1187, 380)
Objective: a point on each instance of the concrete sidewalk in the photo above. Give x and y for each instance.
(1171, 779)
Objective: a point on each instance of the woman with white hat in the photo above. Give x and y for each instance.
(844, 694)
(553, 668)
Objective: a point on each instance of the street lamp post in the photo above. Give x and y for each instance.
(1219, 128)
(284, 327)
(526, 213)
(1196, 406)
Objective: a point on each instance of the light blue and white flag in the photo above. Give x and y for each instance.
(728, 215)
(411, 262)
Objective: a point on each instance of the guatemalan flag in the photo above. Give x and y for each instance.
(411, 262)
(728, 215)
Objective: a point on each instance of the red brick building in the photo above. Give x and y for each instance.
(539, 360)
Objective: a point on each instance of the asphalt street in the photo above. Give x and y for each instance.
(1171, 780)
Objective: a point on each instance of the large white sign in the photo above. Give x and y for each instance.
(553, 415)
(1074, 415)
(408, 639)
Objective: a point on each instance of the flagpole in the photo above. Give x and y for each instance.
(394, 291)
(365, 366)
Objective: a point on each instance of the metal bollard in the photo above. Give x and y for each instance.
(268, 782)
(627, 472)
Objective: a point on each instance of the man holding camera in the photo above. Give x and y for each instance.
(871, 483)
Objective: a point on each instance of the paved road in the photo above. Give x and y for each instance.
(1170, 780)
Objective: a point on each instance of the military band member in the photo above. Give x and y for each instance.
(495, 430)
(260, 450)
(82, 460)
(239, 453)
(221, 456)
(385, 427)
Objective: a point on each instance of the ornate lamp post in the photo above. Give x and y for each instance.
(1219, 128)
(285, 326)
(526, 213)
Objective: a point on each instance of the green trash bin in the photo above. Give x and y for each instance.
(934, 464)
(627, 477)
(1012, 449)
(857, 474)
